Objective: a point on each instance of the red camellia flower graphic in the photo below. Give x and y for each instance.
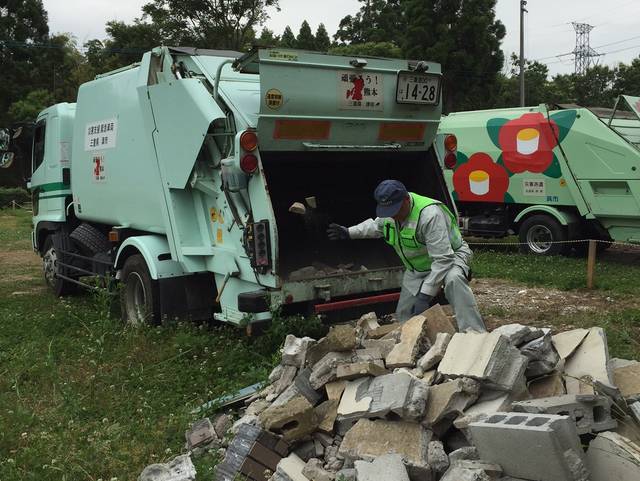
(527, 143)
(480, 179)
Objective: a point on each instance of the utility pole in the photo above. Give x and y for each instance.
(523, 3)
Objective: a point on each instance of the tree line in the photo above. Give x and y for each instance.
(40, 68)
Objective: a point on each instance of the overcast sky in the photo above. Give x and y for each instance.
(548, 29)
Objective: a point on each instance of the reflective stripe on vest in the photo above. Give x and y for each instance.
(412, 252)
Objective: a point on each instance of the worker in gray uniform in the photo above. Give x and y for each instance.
(426, 237)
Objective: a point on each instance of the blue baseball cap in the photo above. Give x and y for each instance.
(389, 195)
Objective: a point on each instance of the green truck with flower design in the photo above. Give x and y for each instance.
(549, 174)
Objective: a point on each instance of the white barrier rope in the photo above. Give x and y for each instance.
(574, 241)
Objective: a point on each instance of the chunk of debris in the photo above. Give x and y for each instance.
(567, 342)
(201, 433)
(325, 370)
(438, 459)
(413, 340)
(293, 420)
(382, 331)
(384, 346)
(613, 457)
(360, 369)
(518, 334)
(543, 357)
(311, 202)
(487, 357)
(314, 471)
(591, 360)
(303, 385)
(367, 440)
(290, 469)
(388, 467)
(627, 379)
(335, 389)
(368, 322)
(557, 456)
(591, 413)
(340, 338)
(327, 413)
(438, 321)
(179, 468)
(547, 386)
(294, 352)
(449, 400)
(298, 208)
(436, 352)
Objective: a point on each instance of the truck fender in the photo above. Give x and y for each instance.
(565, 218)
(156, 253)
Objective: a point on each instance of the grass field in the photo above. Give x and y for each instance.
(83, 397)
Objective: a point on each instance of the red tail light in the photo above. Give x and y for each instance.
(450, 160)
(249, 163)
(249, 141)
(451, 143)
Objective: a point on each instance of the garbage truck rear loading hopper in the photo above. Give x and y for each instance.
(176, 176)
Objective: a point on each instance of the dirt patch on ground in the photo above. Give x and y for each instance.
(503, 302)
(19, 265)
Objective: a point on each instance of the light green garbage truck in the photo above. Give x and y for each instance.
(550, 175)
(203, 181)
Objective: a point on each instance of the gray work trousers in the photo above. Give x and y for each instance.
(459, 295)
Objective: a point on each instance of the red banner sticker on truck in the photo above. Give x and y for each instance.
(99, 171)
(302, 129)
(360, 91)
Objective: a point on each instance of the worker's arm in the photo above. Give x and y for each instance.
(433, 230)
(369, 229)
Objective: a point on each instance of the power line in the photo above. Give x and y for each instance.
(619, 41)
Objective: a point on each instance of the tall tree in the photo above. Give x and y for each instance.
(305, 39)
(209, 23)
(288, 39)
(323, 42)
(464, 36)
(595, 87)
(376, 21)
(373, 49)
(628, 79)
(536, 84)
(267, 38)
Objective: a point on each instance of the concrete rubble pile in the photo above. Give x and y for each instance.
(419, 401)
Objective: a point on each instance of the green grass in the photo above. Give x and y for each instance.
(15, 229)
(556, 271)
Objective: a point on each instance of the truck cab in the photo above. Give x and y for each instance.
(204, 181)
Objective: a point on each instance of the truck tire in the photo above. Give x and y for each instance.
(50, 267)
(90, 239)
(139, 300)
(537, 234)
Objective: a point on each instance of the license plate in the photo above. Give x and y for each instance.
(418, 88)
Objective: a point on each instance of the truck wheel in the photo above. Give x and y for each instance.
(51, 268)
(90, 239)
(538, 232)
(138, 298)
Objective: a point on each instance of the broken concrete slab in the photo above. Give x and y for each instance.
(437, 321)
(303, 385)
(616, 363)
(382, 331)
(311, 202)
(222, 424)
(341, 337)
(384, 346)
(567, 342)
(494, 471)
(314, 471)
(469, 452)
(327, 413)
(591, 413)
(590, 360)
(547, 386)
(360, 369)
(293, 420)
(558, 454)
(294, 352)
(627, 379)
(291, 467)
(438, 459)
(413, 341)
(376, 397)
(518, 334)
(388, 467)
(543, 357)
(179, 468)
(435, 353)
(324, 371)
(335, 389)
(368, 322)
(367, 440)
(459, 473)
(449, 400)
(613, 457)
(201, 433)
(257, 406)
(287, 376)
(487, 357)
